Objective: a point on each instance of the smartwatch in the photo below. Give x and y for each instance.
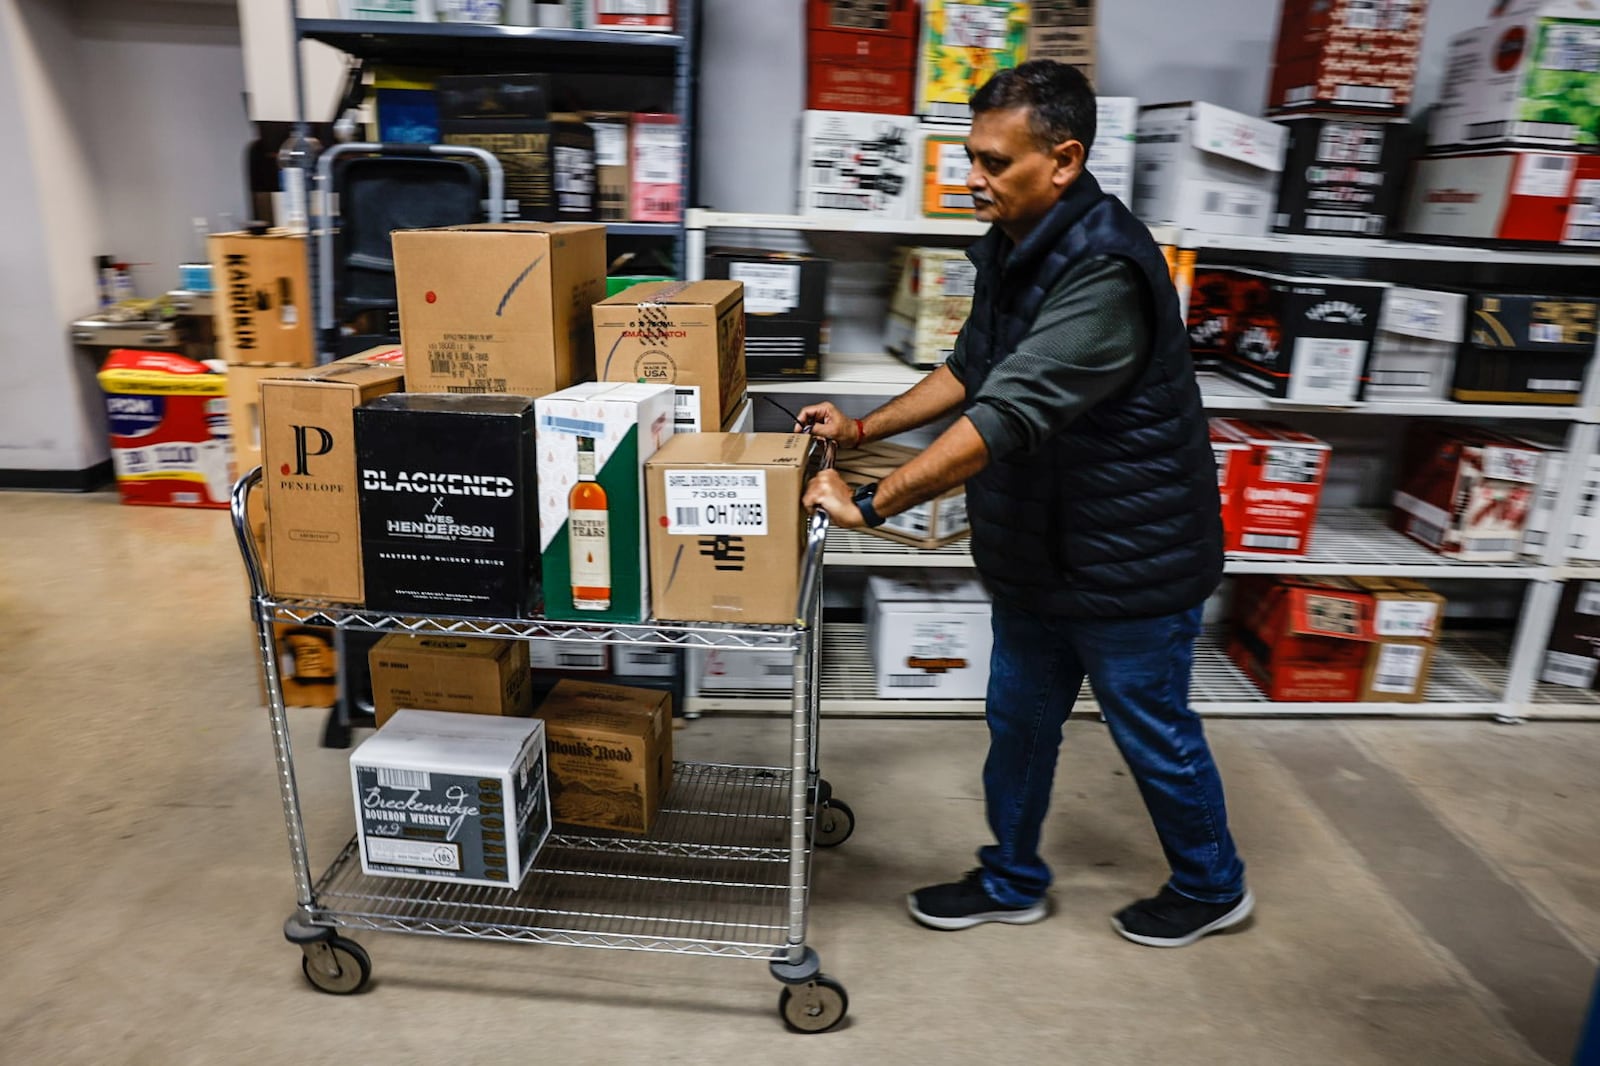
(862, 498)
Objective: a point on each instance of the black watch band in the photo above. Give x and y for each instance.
(862, 498)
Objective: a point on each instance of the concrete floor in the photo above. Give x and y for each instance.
(1429, 893)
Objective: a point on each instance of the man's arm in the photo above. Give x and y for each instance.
(957, 454)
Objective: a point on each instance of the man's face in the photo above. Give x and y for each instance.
(1014, 180)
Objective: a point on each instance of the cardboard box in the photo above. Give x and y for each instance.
(451, 797)
(656, 160)
(499, 308)
(1414, 353)
(610, 754)
(726, 526)
(931, 302)
(1397, 671)
(308, 667)
(1212, 317)
(1303, 339)
(1280, 490)
(569, 657)
(780, 349)
(635, 16)
(649, 662)
(933, 524)
(1347, 55)
(593, 440)
(1584, 533)
(858, 165)
(449, 509)
(1206, 168)
(944, 172)
(1232, 453)
(930, 636)
(310, 479)
(613, 166)
(1302, 639)
(1514, 195)
(1341, 176)
(1574, 651)
(170, 440)
(1063, 30)
(1116, 139)
(850, 87)
(785, 303)
(1466, 492)
(861, 56)
(244, 411)
(263, 297)
(1525, 349)
(1529, 76)
(743, 420)
(687, 334)
(964, 44)
(442, 672)
(718, 670)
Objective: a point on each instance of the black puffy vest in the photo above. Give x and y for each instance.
(1117, 516)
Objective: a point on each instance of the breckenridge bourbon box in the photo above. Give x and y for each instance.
(449, 519)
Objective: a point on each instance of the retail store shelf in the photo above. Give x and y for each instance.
(925, 227)
(1368, 248)
(852, 374)
(852, 547)
(1469, 674)
(643, 229)
(398, 42)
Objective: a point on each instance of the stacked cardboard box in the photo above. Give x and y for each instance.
(1303, 339)
(1526, 349)
(610, 754)
(785, 309)
(1414, 353)
(1271, 479)
(861, 55)
(1206, 168)
(964, 43)
(933, 524)
(931, 302)
(1466, 492)
(859, 165)
(689, 335)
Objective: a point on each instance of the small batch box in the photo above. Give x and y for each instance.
(785, 305)
(610, 754)
(931, 302)
(1573, 656)
(451, 797)
(499, 307)
(859, 165)
(686, 334)
(726, 526)
(1208, 169)
(964, 43)
(1341, 176)
(442, 672)
(1347, 55)
(861, 55)
(1302, 640)
(1303, 339)
(1526, 349)
(1545, 196)
(449, 510)
(1466, 492)
(1414, 353)
(1279, 490)
(593, 440)
(170, 439)
(932, 524)
(930, 636)
(263, 298)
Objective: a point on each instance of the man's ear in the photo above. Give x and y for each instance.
(1070, 158)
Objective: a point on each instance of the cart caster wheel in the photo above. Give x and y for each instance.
(835, 822)
(336, 966)
(813, 1007)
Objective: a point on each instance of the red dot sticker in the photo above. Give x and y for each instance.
(432, 297)
(664, 522)
(284, 469)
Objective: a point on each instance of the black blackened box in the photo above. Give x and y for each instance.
(1303, 339)
(1525, 349)
(449, 508)
(785, 307)
(1341, 177)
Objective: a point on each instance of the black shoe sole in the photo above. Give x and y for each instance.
(1010, 916)
(1241, 911)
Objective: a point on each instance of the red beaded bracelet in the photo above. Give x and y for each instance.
(861, 432)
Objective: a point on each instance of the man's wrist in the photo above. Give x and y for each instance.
(861, 431)
(862, 498)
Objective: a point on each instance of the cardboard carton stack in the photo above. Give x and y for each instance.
(1466, 492)
(1270, 478)
(931, 302)
(861, 55)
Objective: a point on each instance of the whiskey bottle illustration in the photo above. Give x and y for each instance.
(589, 533)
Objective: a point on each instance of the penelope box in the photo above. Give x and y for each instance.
(1466, 492)
(1303, 339)
(687, 334)
(1517, 195)
(1414, 354)
(442, 672)
(310, 477)
(593, 441)
(1341, 176)
(933, 524)
(1206, 168)
(1574, 652)
(726, 526)
(1347, 55)
(944, 173)
(451, 797)
(964, 43)
(499, 308)
(263, 299)
(1525, 349)
(930, 636)
(1280, 490)
(1302, 640)
(860, 55)
(449, 511)
(610, 754)
(1529, 76)
(656, 163)
(858, 165)
(168, 418)
(931, 302)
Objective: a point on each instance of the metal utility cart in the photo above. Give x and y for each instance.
(725, 872)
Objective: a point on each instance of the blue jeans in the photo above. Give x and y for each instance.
(1139, 670)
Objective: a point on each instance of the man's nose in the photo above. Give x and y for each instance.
(975, 178)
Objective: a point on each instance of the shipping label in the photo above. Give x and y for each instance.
(769, 288)
(1404, 618)
(732, 502)
(1399, 668)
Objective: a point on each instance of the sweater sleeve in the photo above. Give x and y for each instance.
(1090, 339)
(957, 363)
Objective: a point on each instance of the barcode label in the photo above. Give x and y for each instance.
(1399, 669)
(1363, 94)
(1362, 15)
(1326, 368)
(952, 165)
(716, 501)
(1554, 385)
(952, 201)
(1544, 333)
(686, 516)
(1294, 466)
(1362, 224)
(1300, 94)
(686, 409)
(1492, 544)
(1546, 175)
(960, 278)
(186, 497)
(769, 288)
(1427, 532)
(1564, 668)
(582, 660)
(1588, 598)
(913, 681)
(1270, 542)
(413, 779)
(1212, 204)
(776, 670)
(1402, 379)
(1401, 619)
(1572, 47)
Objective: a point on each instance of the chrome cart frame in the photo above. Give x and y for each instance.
(726, 871)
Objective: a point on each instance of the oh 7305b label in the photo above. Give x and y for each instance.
(716, 501)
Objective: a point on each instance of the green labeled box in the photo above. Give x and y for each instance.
(593, 440)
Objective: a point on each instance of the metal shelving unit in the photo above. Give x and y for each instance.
(726, 871)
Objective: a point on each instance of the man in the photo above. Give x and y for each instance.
(1093, 499)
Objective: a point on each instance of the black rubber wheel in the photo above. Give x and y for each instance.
(351, 960)
(813, 1007)
(835, 822)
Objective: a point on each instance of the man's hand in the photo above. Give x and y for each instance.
(828, 491)
(827, 422)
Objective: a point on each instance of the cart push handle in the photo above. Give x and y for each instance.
(816, 536)
(239, 507)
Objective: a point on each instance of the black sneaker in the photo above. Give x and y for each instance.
(1173, 920)
(963, 904)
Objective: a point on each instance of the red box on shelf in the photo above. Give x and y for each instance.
(861, 55)
(635, 15)
(841, 87)
(1466, 492)
(1346, 55)
(1233, 465)
(1213, 315)
(1279, 491)
(1302, 639)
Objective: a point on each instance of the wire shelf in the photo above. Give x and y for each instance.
(852, 547)
(711, 879)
